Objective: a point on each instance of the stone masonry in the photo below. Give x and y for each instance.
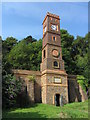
(52, 84)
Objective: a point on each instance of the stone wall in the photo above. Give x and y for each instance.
(75, 92)
(33, 88)
(30, 91)
(83, 94)
(48, 64)
(37, 89)
(50, 88)
(43, 89)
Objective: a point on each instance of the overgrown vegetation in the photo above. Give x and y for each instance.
(27, 53)
(11, 88)
(31, 78)
(73, 110)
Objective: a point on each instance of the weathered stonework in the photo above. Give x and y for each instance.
(52, 90)
(30, 90)
(33, 87)
(40, 92)
(75, 92)
(52, 85)
(49, 72)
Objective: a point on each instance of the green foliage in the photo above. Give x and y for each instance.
(26, 56)
(29, 39)
(31, 78)
(6, 67)
(10, 89)
(73, 110)
(83, 82)
(80, 51)
(66, 42)
(8, 44)
(75, 54)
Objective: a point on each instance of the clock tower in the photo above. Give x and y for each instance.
(54, 78)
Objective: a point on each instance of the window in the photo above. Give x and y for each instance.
(57, 80)
(44, 54)
(54, 38)
(57, 27)
(45, 29)
(55, 64)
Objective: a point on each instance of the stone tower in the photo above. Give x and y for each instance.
(54, 78)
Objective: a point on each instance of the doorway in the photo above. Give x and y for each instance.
(57, 99)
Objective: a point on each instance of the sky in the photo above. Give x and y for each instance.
(45, 0)
(21, 19)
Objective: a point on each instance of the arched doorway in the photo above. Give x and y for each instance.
(57, 99)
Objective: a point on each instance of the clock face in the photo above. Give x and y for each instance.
(53, 27)
(55, 53)
(45, 29)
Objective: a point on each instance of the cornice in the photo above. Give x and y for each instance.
(50, 15)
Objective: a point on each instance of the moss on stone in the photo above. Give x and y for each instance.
(31, 78)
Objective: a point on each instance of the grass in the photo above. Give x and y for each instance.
(72, 110)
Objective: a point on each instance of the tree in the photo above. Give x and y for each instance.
(10, 90)
(66, 42)
(80, 55)
(26, 56)
(10, 86)
(8, 44)
(29, 39)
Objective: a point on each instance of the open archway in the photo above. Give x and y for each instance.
(57, 99)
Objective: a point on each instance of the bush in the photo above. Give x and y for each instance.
(10, 90)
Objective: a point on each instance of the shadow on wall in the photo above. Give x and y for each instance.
(23, 99)
(73, 91)
(37, 93)
(31, 94)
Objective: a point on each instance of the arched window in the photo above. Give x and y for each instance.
(55, 64)
(44, 54)
(54, 38)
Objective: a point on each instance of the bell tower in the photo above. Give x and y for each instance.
(51, 50)
(54, 77)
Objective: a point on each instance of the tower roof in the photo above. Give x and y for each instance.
(51, 15)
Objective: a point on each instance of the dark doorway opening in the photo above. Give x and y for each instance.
(57, 99)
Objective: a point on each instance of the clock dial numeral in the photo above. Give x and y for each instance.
(53, 27)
